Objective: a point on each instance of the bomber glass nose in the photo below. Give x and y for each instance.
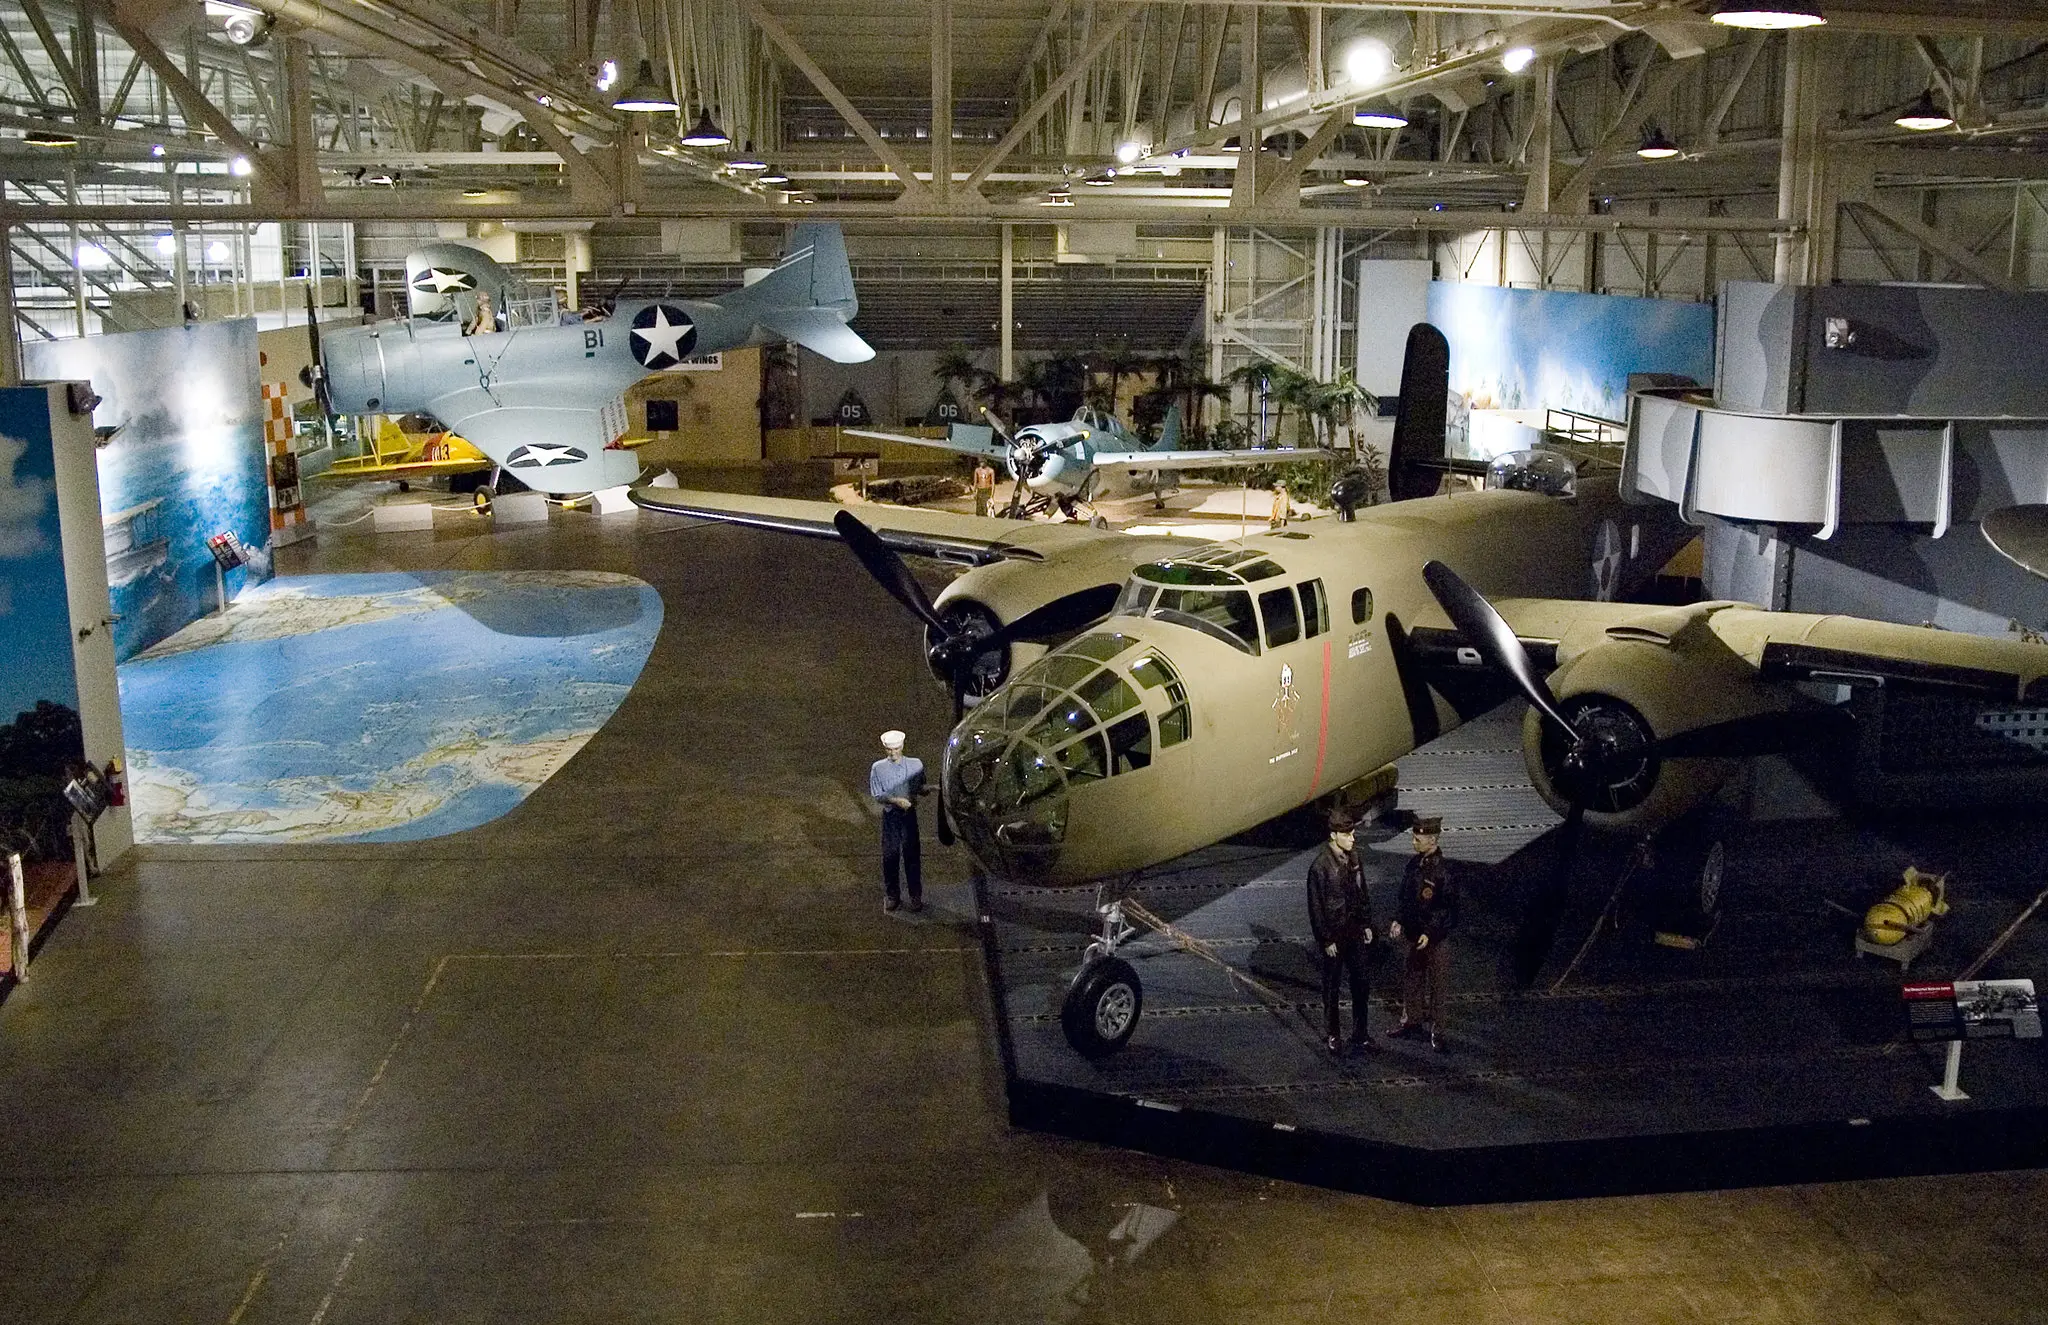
(1013, 763)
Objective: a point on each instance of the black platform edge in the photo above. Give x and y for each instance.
(1972, 1141)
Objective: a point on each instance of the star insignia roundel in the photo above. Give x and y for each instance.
(443, 280)
(663, 335)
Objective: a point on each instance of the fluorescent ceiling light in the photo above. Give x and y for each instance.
(1923, 116)
(1356, 181)
(217, 251)
(645, 96)
(1767, 14)
(91, 257)
(1101, 178)
(46, 138)
(1058, 198)
(166, 245)
(1379, 115)
(1231, 144)
(1517, 58)
(704, 133)
(1128, 153)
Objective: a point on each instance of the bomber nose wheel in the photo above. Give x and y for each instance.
(1102, 1007)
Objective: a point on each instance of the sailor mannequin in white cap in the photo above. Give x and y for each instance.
(895, 782)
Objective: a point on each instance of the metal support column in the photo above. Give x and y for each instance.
(10, 326)
(1006, 359)
(77, 265)
(1805, 193)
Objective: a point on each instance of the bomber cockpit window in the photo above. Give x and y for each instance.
(1283, 621)
(1101, 646)
(1155, 673)
(1315, 609)
(1225, 614)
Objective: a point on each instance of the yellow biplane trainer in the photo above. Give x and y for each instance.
(394, 453)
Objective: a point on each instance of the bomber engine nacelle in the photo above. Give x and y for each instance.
(1642, 689)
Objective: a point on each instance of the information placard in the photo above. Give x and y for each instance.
(1972, 1010)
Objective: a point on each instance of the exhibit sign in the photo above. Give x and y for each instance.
(1972, 1010)
(1555, 349)
(41, 737)
(182, 414)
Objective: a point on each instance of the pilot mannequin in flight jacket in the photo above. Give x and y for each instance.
(1340, 916)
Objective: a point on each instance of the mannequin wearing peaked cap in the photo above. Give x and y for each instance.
(895, 781)
(1340, 916)
(1429, 913)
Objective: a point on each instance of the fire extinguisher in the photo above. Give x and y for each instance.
(117, 783)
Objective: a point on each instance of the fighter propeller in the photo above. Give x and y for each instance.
(955, 650)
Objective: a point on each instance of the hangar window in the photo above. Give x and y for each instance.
(1361, 606)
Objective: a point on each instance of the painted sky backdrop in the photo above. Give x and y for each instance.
(187, 463)
(35, 616)
(1553, 349)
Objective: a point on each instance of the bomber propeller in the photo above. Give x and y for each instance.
(955, 649)
(1602, 749)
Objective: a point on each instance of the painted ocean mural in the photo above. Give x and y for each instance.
(377, 707)
(185, 461)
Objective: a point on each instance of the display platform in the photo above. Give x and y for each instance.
(1769, 1053)
(386, 707)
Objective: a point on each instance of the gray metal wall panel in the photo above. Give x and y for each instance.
(1926, 351)
(1752, 363)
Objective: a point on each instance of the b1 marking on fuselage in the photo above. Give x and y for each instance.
(542, 455)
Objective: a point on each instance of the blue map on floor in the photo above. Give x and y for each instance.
(376, 708)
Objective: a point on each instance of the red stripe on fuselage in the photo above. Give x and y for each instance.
(1323, 724)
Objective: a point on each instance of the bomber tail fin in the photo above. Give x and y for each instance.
(1417, 460)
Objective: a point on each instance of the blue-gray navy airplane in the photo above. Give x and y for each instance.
(1061, 463)
(547, 403)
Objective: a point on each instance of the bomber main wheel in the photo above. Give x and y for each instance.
(1102, 1007)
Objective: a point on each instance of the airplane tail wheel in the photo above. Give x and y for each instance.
(483, 497)
(1102, 1007)
(1710, 879)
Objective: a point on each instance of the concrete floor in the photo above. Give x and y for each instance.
(646, 1049)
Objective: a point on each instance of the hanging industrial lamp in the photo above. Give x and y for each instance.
(774, 175)
(1379, 115)
(747, 160)
(644, 95)
(704, 133)
(1656, 147)
(1923, 116)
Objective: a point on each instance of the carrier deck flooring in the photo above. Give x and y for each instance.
(1773, 1023)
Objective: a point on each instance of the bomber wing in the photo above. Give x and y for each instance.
(966, 438)
(1206, 459)
(965, 539)
(1796, 646)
